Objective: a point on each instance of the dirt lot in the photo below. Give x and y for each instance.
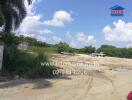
(106, 78)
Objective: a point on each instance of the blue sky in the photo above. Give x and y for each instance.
(79, 22)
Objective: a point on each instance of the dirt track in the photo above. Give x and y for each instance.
(101, 83)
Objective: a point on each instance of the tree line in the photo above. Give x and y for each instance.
(113, 51)
(109, 50)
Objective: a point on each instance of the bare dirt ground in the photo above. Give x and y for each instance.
(101, 83)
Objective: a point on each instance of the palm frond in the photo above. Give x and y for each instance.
(12, 12)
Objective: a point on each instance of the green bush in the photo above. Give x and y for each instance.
(17, 62)
(39, 71)
(87, 50)
(9, 39)
(61, 47)
(116, 52)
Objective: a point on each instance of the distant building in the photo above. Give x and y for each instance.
(101, 54)
(67, 53)
(23, 46)
(117, 11)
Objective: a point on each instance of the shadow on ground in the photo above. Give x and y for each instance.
(37, 83)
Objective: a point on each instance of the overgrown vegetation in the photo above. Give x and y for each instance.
(87, 50)
(9, 39)
(24, 64)
(17, 62)
(64, 47)
(28, 63)
(116, 52)
(39, 71)
(48, 50)
(33, 41)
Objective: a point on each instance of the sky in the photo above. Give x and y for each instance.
(78, 22)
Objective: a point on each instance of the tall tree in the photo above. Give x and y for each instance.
(12, 12)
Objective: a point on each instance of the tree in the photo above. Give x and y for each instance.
(116, 52)
(61, 47)
(87, 50)
(12, 12)
(109, 50)
(10, 39)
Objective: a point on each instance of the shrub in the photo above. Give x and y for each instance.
(116, 52)
(16, 62)
(87, 50)
(9, 39)
(39, 71)
(61, 47)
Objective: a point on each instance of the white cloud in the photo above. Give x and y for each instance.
(85, 38)
(31, 8)
(68, 34)
(73, 44)
(129, 45)
(32, 25)
(46, 31)
(80, 39)
(59, 19)
(121, 32)
(57, 39)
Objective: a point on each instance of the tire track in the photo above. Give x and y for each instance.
(114, 90)
(87, 87)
